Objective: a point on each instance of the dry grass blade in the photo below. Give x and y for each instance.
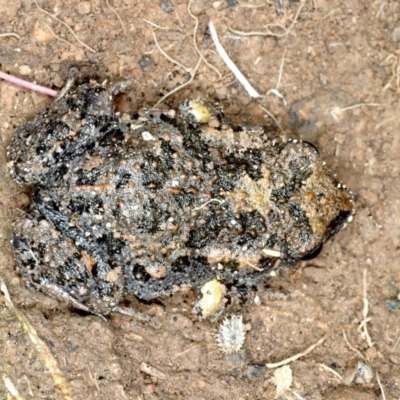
(41, 347)
(66, 25)
(153, 24)
(273, 118)
(10, 34)
(181, 86)
(366, 319)
(381, 387)
(118, 16)
(167, 56)
(191, 71)
(296, 356)
(195, 42)
(352, 347)
(56, 36)
(268, 32)
(11, 388)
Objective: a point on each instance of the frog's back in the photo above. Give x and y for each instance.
(149, 205)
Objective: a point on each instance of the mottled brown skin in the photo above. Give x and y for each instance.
(148, 205)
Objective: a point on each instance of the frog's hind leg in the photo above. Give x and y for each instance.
(53, 263)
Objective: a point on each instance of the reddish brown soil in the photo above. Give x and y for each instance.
(338, 54)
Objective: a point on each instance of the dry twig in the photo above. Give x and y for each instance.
(394, 64)
(10, 34)
(155, 25)
(41, 347)
(117, 15)
(152, 371)
(191, 71)
(195, 42)
(332, 371)
(268, 32)
(66, 25)
(363, 326)
(231, 65)
(273, 118)
(275, 91)
(296, 356)
(381, 387)
(351, 347)
(11, 388)
(56, 36)
(336, 111)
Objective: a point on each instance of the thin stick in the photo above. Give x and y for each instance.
(253, 266)
(296, 356)
(181, 86)
(251, 5)
(155, 25)
(351, 347)
(67, 26)
(11, 388)
(365, 310)
(207, 203)
(259, 33)
(195, 42)
(10, 34)
(185, 351)
(270, 33)
(298, 396)
(336, 111)
(273, 118)
(361, 105)
(56, 36)
(117, 15)
(302, 2)
(396, 343)
(191, 71)
(278, 83)
(167, 56)
(28, 85)
(314, 4)
(332, 371)
(384, 122)
(44, 352)
(381, 387)
(152, 371)
(231, 65)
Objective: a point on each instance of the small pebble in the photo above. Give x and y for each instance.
(84, 8)
(145, 61)
(167, 6)
(40, 33)
(198, 7)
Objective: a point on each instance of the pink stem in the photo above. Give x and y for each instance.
(28, 85)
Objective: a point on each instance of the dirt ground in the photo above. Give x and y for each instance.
(340, 77)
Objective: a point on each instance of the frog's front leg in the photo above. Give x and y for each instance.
(69, 126)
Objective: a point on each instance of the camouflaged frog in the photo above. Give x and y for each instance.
(146, 205)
